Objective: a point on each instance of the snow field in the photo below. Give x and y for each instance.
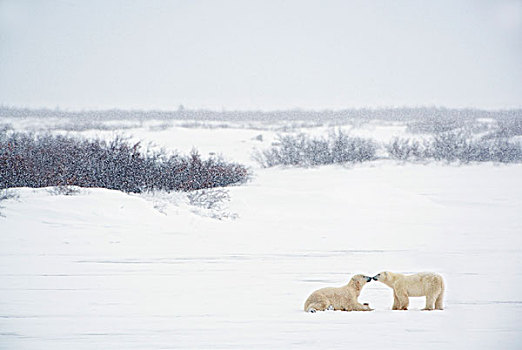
(104, 269)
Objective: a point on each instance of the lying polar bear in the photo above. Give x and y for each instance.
(421, 284)
(343, 298)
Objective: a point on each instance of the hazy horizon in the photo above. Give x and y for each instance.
(298, 110)
(260, 110)
(260, 55)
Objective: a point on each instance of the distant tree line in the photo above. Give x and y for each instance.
(420, 114)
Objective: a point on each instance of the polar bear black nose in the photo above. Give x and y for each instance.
(368, 279)
(374, 278)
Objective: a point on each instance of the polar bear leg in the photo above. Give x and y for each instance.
(438, 301)
(430, 302)
(404, 301)
(362, 307)
(440, 297)
(396, 302)
(318, 306)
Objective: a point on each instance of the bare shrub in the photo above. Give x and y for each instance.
(405, 149)
(460, 146)
(6, 195)
(449, 146)
(351, 149)
(161, 127)
(506, 128)
(85, 125)
(209, 198)
(432, 124)
(456, 146)
(211, 203)
(301, 150)
(64, 190)
(27, 160)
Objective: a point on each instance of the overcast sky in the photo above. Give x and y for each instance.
(260, 54)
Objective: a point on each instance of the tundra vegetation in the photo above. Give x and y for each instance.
(29, 160)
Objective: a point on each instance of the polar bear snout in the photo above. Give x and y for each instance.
(376, 277)
(362, 279)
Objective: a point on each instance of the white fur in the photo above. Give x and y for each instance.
(428, 284)
(341, 298)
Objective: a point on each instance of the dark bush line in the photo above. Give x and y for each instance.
(432, 114)
(302, 150)
(39, 161)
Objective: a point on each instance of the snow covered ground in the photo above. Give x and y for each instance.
(107, 270)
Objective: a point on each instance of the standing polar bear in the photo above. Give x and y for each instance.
(342, 298)
(421, 284)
